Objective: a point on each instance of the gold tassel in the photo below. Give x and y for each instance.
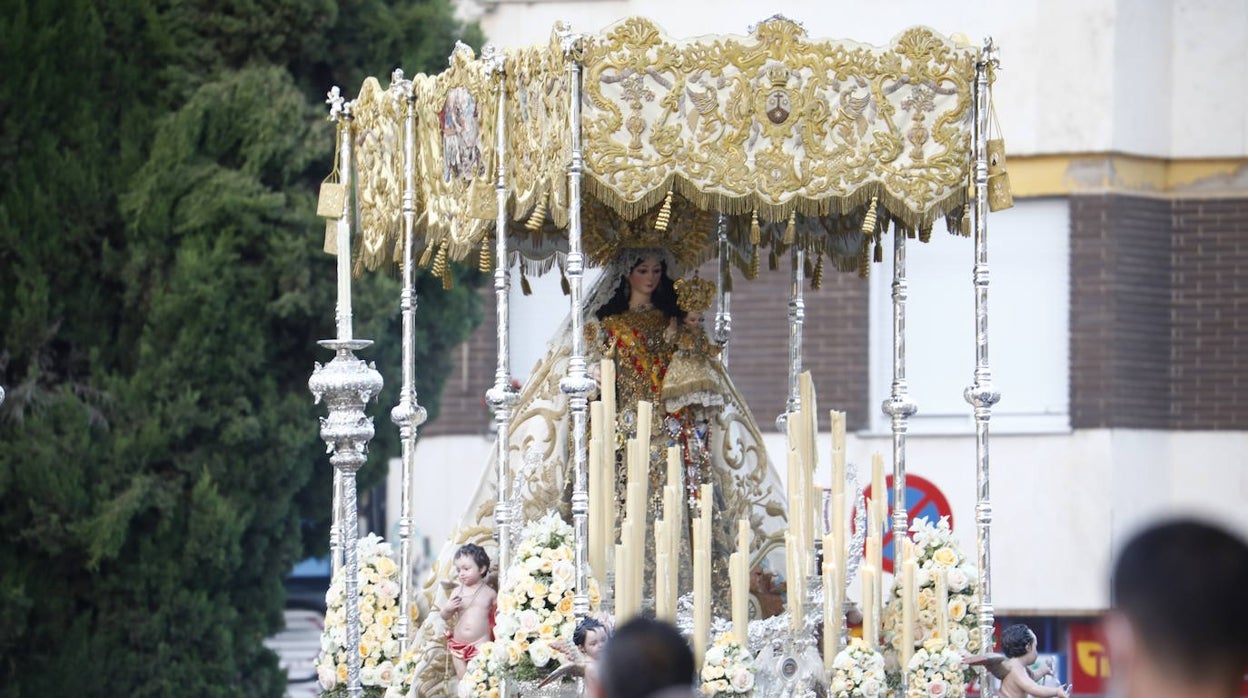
(426, 256)
(878, 255)
(925, 234)
(864, 262)
(756, 233)
(966, 222)
(790, 231)
(868, 221)
(816, 279)
(485, 263)
(525, 288)
(538, 217)
(447, 282)
(752, 272)
(665, 214)
(563, 283)
(439, 263)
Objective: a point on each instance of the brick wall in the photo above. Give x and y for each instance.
(1156, 336)
(1210, 315)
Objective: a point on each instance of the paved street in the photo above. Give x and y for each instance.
(297, 647)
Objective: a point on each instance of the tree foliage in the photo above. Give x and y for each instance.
(162, 293)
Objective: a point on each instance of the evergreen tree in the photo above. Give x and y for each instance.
(161, 297)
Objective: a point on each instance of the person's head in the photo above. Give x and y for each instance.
(471, 564)
(1017, 641)
(644, 657)
(590, 636)
(646, 280)
(1180, 612)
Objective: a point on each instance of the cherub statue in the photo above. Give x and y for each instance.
(1012, 668)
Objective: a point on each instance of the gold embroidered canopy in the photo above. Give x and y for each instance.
(797, 141)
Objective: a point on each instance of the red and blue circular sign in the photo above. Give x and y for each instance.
(924, 500)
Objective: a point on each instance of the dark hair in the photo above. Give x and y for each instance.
(644, 657)
(583, 628)
(663, 298)
(476, 552)
(1181, 586)
(1015, 639)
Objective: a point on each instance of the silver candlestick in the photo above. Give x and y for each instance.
(346, 384)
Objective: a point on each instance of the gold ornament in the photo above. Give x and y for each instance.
(694, 294)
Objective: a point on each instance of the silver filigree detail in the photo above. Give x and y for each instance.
(778, 17)
(494, 59)
(338, 107)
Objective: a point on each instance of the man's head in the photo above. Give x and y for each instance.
(1180, 609)
(644, 657)
(1019, 642)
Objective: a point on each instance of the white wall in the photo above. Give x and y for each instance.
(1148, 77)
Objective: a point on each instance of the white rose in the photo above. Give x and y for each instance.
(390, 648)
(368, 675)
(385, 674)
(715, 654)
(539, 652)
(529, 621)
(564, 571)
(742, 680)
(922, 578)
(958, 637)
(325, 676)
(957, 579)
(387, 589)
(870, 687)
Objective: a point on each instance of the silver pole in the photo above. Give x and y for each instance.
(408, 415)
(502, 396)
(723, 311)
(982, 394)
(577, 385)
(797, 318)
(346, 384)
(899, 407)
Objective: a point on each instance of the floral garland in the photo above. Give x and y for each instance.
(936, 552)
(936, 671)
(534, 611)
(858, 672)
(378, 586)
(728, 669)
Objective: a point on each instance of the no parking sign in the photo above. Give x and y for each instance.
(924, 500)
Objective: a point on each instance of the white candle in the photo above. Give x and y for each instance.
(908, 602)
(597, 532)
(831, 615)
(740, 564)
(869, 633)
(622, 603)
(942, 602)
(664, 604)
(609, 495)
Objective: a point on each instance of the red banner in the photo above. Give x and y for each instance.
(1089, 657)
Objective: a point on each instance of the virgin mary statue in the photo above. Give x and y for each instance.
(642, 315)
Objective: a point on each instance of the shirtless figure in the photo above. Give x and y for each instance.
(1017, 680)
(471, 605)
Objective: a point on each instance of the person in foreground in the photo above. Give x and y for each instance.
(1179, 623)
(644, 658)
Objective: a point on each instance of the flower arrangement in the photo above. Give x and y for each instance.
(378, 587)
(936, 552)
(534, 610)
(728, 669)
(858, 672)
(936, 671)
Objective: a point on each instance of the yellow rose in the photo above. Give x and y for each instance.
(341, 672)
(945, 557)
(565, 605)
(926, 596)
(537, 591)
(957, 610)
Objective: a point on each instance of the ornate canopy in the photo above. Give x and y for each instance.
(795, 140)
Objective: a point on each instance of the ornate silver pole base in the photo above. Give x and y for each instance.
(346, 384)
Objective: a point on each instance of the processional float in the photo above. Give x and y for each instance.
(787, 145)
